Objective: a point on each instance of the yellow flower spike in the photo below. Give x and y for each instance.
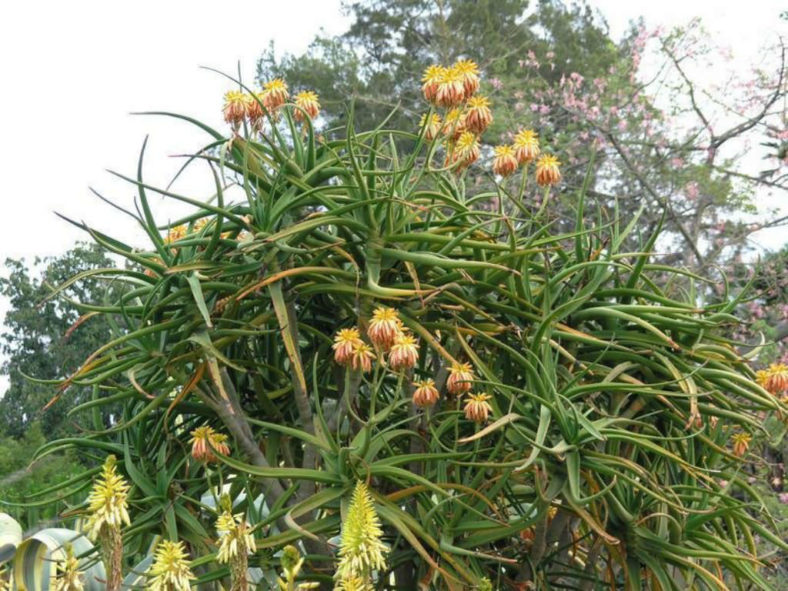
(108, 501)
(69, 577)
(526, 146)
(308, 101)
(460, 378)
(234, 109)
(547, 172)
(430, 82)
(235, 537)
(361, 550)
(344, 342)
(354, 584)
(505, 162)
(469, 73)
(170, 570)
(384, 327)
(404, 352)
(425, 394)
(478, 115)
(275, 94)
(477, 409)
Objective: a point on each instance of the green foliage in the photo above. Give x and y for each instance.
(613, 398)
(24, 480)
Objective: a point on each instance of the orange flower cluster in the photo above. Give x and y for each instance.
(524, 150)
(387, 334)
(252, 107)
(468, 116)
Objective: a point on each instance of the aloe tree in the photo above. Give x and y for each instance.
(610, 421)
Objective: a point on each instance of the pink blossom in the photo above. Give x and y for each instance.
(534, 107)
(622, 125)
(783, 498)
(692, 190)
(544, 109)
(496, 83)
(676, 162)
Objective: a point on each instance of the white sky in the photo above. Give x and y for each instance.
(73, 71)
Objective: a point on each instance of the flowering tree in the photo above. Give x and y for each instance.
(372, 372)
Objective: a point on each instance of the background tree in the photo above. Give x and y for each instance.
(47, 339)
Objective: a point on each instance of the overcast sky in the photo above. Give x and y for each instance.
(73, 71)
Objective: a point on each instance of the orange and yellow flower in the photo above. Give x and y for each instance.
(275, 94)
(478, 115)
(547, 172)
(454, 124)
(308, 104)
(451, 88)
(425, 394)
(774, 379)
(254, 110)
(204, 441)
(384, 327)
(469, 72)
(526, 146)
(477, 409)
(431, 126)
(460, 378)
(361, 359)
(234, 109)
(431, 81)
(344, 342)
(404, 352)
(741, 443)
(466, 150)
(505, 162)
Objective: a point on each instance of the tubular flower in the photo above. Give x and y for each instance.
(234, 108)
(547, 172)
(451, 90)
(466, 150)
(275, 94)
(384, 327)
(526, 146)
(431, 126)
(741, 443)
(430, 82)
(361, 550)
(354, 584)
(308, 103)
(68, 576)
(344, 342)
(204, 440)
(361, 359)
(775, 379)
(254, 110)
(425, 394)
(404, 352)
(477, 409)
(505, 162)
(454, 124)
(460, 378)
(170, 570)
(469, 72)
(478, 114)
(107, 502)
